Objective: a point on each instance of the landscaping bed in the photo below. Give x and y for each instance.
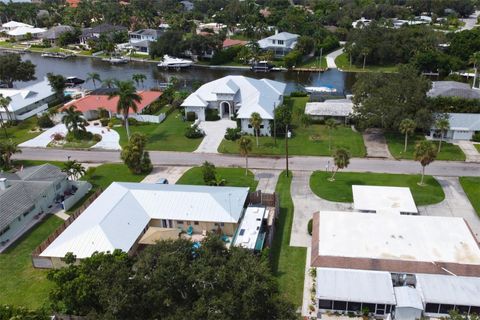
(396, 144)
(234, 177)
(471, 186)
(340, 190)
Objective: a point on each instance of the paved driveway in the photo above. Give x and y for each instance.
(471, 153)
(172, 174)
(331, 58)
(456, 204)
(214, 132)
(267, 180)
(376, 144)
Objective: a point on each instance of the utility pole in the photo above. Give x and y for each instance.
(286, 147)
(321, 53)
(274, 124)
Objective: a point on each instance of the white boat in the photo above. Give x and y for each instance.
(172, 62)
(320, 89)
(59, 55)
(115, 60)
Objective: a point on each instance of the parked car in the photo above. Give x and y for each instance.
(162, 181)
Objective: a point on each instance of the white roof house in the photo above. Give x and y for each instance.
(383, 199)
(330, 108)
(23, 31)
(14, 24)
(120, 214)
(250, 227)
(281, 43)
(408, 297)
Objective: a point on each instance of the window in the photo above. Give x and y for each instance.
(462, 309)
(446, 308)
(189, 223)
(215, 224)
(280, 42)
(261, 126)
(339, 305)
(195, 223)
(432, 307)
(179, 222)
(369, 306)
(57, 186)
(26, 213)
(325, 304)
(475, 310)
(250, 126)
(242, 232)
(222, 224)
(354, 306)
(273, 41)
(4, 230)
(380, 309)
(20, 218)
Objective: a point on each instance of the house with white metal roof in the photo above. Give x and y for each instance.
(280, 43)
(10, 25)
(27, 102)
(462, 126)
(379, 199)
(21, 32)
(338, 109)
(240, 96)
(122, 215)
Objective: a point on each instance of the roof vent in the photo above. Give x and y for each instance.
(3, 184)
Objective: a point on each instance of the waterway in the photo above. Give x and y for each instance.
(81, 66)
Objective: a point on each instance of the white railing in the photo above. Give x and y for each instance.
(31, 113)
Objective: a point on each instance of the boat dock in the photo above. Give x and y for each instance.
(310, 69)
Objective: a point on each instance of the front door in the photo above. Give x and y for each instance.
(225, 109)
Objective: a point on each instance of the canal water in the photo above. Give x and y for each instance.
(81, 66)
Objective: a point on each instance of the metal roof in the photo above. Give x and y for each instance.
(453, 89)
(464, 121)
(330, 107)
(381, 199)
(120, 214)
(355, 286)
(408, 297)
(27, 96)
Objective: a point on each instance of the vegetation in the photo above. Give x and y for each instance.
(73, 169)
(134, 155)
(245, 147)
(256, 121)
(12, 69)
(233, 177)
(74, 121)
(470, 186)
(7, 149)
(425, 153)
(341, 159)
(58, 83)
(103, 175)
(127, 100)
(341, 189)
(407, 127)
(94, 77)
(343, 63)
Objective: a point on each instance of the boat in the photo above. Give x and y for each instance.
(115, 60)
(326, 89)
(282, 69)
(73, 81)
(58, 55)
(261, 66)
(175, 63)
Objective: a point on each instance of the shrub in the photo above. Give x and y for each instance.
(211, 115)
(233, 134)
(57, 136)
(191, 116)
(209, 172)
(476, 137)
(104, 122)
(194, 132)
(97, 137)
(110, 124)
(132, 122)
(310, 226)
(296, 94)
(44, 121)
(79, 135)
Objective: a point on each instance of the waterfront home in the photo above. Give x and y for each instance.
(10, 25)
(453, 89)
(211, 27)
(228, 43)
(28, 101)
(141, 39)
(238, 96)
(27, 195)
(280, 43)
(338, 109)
(94, 33)
(20, 31)
(462, 127)
(53, 34)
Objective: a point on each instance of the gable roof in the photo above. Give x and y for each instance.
(119, 215)
(54, 32)
(253, 95)
(20, 31)
(464, 121)
(102, 28)
(24, 97)
(284, 36)
(14, 24)
(453, 89)
(148, 32)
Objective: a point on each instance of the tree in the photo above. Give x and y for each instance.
(7, 149)
(245, 147)
(94, 77)
(331, 124)
(4, 103)
(283, 118)
(73, 169)
(425, 153)
(109, 83)
(256, 122)
(73, 120)
(12, 69)
(475, 60)
(442, 125)
(407, 127)
(341, 158)
(305, 120)
(209, 172)
(134, 155)
(8, 312)
(58, 83)
(127, 100)
(139, 78)
(365, 52)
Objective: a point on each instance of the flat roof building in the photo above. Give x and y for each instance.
(377, 199)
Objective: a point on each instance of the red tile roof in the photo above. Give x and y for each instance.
(232, 42)
(73, 3)
(93, 102)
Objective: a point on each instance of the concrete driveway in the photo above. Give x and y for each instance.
(331, 58)
(471, 153)
(456, 204)
(172, 174)
(267, 180)
(376, 144)
(305, 203)
(214, 132)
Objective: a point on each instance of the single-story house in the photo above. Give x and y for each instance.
(95, 32)
(52, 34)
(453, 89)
(187, 5)
(228, 43)
(360, 23)
(22, 32)
(8, 26)
(25, 196)
(215, 27)
(240, 96)
(90, 104)
(141, 39)
(380, 199)
(462, 126)
(28, 101)
(338, 109)
(280, 43)
(121, 217)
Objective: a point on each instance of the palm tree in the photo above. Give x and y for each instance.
(139, 78)
(407, 127)
(7, 149)
(256, 122)
(127, 99)
(442, 125)
(425, 153)
(365, 52)
(109, 83)
(245, 146)
(94, 77)
(73, 169)
(331, 125)
(4, 102)
(475, 59)
(341, 158)
(73, 119)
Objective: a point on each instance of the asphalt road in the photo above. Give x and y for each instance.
(439, 168)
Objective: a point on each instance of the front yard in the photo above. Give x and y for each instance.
(310, 141)
(234, 177)
(477, 145)
(471, 186)
(166, 136)
(340, 190)
(22, 131)
(396, 143)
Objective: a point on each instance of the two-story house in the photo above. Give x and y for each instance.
(141, 39)
(280, 43)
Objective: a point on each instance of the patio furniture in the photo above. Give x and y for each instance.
(225, 239)
(190, 230)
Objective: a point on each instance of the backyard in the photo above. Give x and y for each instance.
(234, 177)
(166, 136)
(340, 190)
(396, 144)
(312, 140)
(343, 63)
(471, 186)
(288, 263)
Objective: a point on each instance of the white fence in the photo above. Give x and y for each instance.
(146, 117)
(83, 188)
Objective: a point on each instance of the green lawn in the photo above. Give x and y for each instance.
(313, 63)
(235, 177)
(21, 132)
(340, 190)
(477, 145)
(396, 143)
(166, 136)
(471, 186)
(288, 263)
(343, 63)
(21, 284)
(311, 141)
(107, 173)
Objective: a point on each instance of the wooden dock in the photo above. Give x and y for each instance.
(310, 69)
